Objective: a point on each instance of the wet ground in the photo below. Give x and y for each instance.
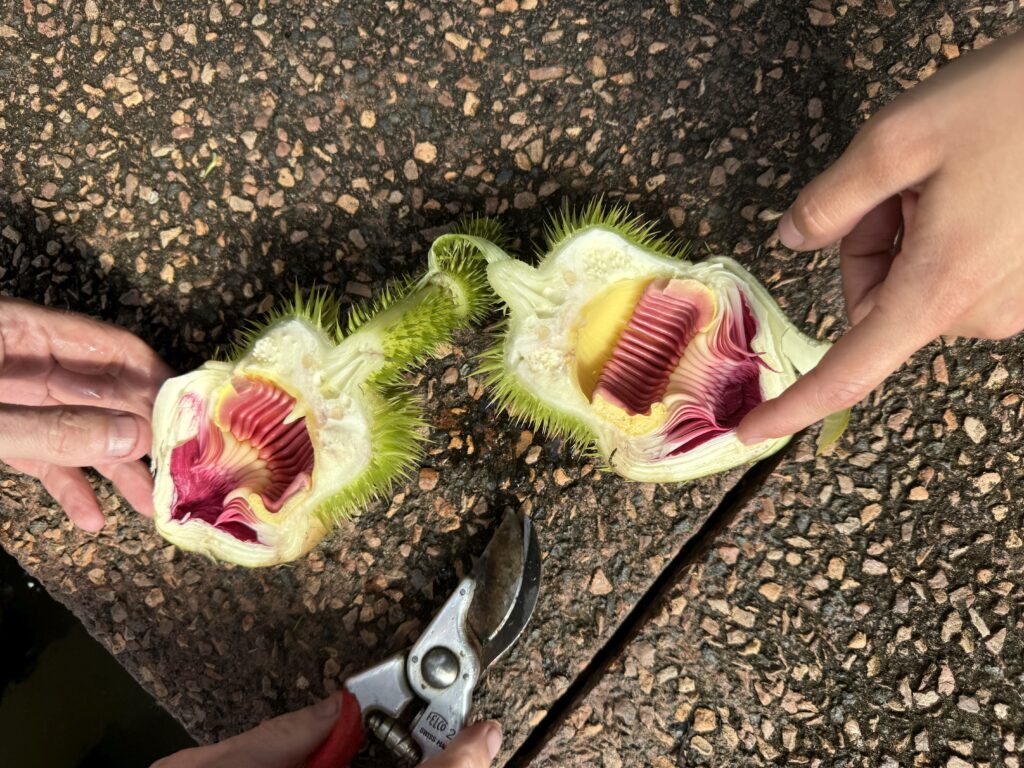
(173, 170)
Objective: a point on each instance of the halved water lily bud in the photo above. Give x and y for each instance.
(255, 458)
(616, 342)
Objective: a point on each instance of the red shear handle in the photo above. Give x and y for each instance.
(346, 737)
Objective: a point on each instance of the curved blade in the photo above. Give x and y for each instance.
(508, 580)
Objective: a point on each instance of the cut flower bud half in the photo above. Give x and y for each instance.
(617, 343)
(258, 456)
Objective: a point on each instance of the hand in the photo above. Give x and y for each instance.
(76, 392)
(287, 741)
(474, 747)
(926, 202)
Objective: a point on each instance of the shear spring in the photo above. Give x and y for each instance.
(396, 737)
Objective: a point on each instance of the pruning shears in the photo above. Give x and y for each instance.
(416, 701)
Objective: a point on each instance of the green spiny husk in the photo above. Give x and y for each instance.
(511, 394)
(382, 340)
(632, 227)
(321, 310)
(507, 394)
(398, 438)
(506, 391)
(453, 294)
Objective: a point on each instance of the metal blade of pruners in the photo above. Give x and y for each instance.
(507, 578)
(478, 623)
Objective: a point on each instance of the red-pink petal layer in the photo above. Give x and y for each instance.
(214, 472)
(716, 383)
(665, 320)
(708, 380)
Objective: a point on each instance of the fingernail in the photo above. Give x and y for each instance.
(328, 708)
(493, 738)
(788, 233)
(122, 435)
(749, 439)
(93, 525)
(745, 436)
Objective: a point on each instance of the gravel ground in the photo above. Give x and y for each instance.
(173, 168)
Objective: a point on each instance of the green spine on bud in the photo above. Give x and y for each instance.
(310, 419)
(647, 361)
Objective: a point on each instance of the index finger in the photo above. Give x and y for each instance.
(859, 362)
(49, 357)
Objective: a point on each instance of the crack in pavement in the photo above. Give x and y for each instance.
(647, 606)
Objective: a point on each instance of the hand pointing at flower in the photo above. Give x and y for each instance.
(926, 202)
(76, 392)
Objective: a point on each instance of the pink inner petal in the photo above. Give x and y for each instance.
(712, 389)
(708, 380)
(665, 320)
(213, 472)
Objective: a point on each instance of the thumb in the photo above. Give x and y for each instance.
(474, 747)
(283, 742)
(72, 436)
(888, 155)
(859, 362)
